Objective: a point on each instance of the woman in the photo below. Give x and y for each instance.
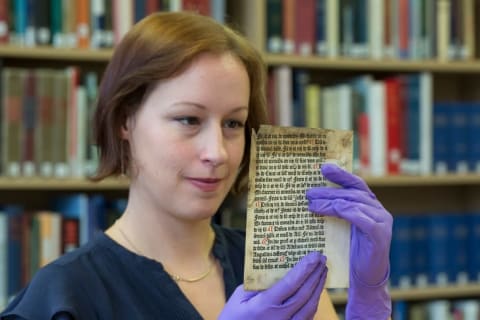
(176, 107)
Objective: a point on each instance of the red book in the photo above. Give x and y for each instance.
(288, 26)
(152, 6)
(83, 23)
(403, 28)
(4, 12)
(200, 6)
(394, 120)
(304, 27)
(70, 234)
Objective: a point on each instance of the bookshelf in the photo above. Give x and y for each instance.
(453, 80)
(401, 193)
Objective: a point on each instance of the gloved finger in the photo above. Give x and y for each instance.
(347, 194)
(337, 175)
(363, 220)
(309, 309)
(363, 217)
(294, 279)
(303, 297)
(341, 208)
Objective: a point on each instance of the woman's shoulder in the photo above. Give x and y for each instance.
(64, 285)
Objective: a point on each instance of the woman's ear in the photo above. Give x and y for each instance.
(125, 130)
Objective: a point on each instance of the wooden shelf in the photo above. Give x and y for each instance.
(349, 64)
(49, 53)
(312, 62)
(61, 184)
(35, 183)
(430, 180)
(428, 293)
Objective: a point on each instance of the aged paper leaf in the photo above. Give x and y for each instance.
(284, 163)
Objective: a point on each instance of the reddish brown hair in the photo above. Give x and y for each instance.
(160, 47)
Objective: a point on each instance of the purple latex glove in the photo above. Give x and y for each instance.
(368, 296)
(295, 296)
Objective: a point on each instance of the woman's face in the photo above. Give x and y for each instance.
(187, 139)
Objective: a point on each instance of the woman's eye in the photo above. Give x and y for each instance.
(233, 124)
(188, 121)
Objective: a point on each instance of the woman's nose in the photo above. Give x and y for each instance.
(214, 150)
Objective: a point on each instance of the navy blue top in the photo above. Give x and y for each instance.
(103, 280)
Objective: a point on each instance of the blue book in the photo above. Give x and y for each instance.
(274, 26)
(140, 10)
(360, 29)
(400, 310)
(401, 252)
(20, 21)
(457, 247)
(420, 246)
(74, 206)
(321, 27)
(472, 247)
(14, 249)
(441, 137)
(411, 164)
(473, 132)
(438, 254)
(97, 221)
(346, 27)
(301, 79)
(458, 138)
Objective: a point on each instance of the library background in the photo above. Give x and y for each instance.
(402, 74)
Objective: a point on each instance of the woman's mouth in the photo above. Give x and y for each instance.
(206, 184)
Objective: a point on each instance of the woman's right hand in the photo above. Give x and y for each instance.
(295, 296)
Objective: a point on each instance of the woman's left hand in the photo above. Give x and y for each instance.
(370, 237)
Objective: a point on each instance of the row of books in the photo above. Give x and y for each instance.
(440, 309)
(435, 249)
(85, 23)
(402, 29)
(456, 147)
(31, 239)
(45, 127)
(391, 117)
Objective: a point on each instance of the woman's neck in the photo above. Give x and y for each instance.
(178, 244)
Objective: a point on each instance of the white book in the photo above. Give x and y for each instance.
(329, 109)
(377, 128)
(175, 5)
(344, 101)
(439, 310)
(78, 159)
(415, 30)
(122, 18)
(376, 29)
(426, 119)
(332, 31)
(283, 90)
(443, 29)
(312, 105)
(218, 10)
(50, 236)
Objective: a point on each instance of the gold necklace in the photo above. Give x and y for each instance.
(175, 277)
